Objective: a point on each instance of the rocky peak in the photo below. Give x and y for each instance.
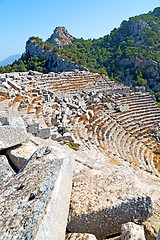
(60, 37)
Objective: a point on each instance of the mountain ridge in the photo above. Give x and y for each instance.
(129, 54)
(9, 60)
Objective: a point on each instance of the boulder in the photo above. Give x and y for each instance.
(132, 231)
(4, 121)
(121, 108)
(80, 236)
(12, 134)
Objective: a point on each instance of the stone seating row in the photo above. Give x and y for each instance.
(114, 142)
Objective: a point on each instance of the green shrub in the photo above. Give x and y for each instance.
(72, 145)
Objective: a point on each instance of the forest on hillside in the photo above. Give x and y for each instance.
(129, 54)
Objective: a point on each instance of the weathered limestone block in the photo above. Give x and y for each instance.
(132, 231)
(80, 236)
(6, 172)
(33, 128)
(115, 238)
(72, 106)
(57, 137)
(121, 108)
(106, 196)
(13, 84)
(12, 134)
(140, 89)
(43, 133)
(124, 108)
(108, 105)
(35, 202)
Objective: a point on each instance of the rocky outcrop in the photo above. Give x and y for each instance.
(150, 69)
(55, 62)
(60, 37)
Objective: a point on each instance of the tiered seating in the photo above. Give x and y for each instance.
(123, 137)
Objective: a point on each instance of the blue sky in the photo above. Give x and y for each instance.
(20, 19)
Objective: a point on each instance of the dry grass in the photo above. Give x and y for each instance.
(100, 138)
(89, 138)
(53, 122)
(29, 108)
(104, 148)
(17, 99)
(55, 106)
(38, 110)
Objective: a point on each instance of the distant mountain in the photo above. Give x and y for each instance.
(9, 60)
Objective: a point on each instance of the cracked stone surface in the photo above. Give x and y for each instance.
(31, 200)
(104, 196)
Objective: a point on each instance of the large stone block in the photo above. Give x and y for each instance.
(106, 196)
(12, 134)
(43, 133)
(35, 202)
(33, 128)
